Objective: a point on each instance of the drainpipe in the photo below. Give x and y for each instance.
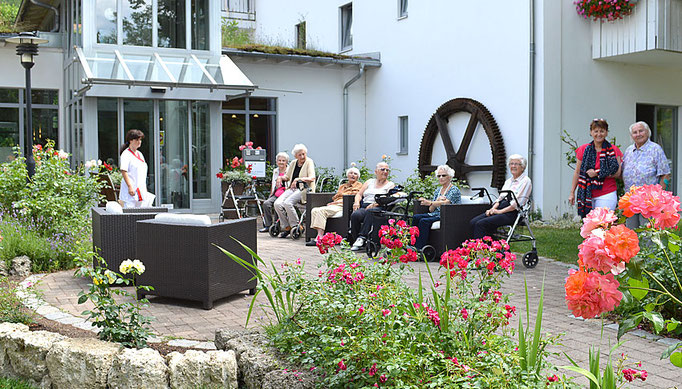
(531, 90)
(345, 113)
(53, 9)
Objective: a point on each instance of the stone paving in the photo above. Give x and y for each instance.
(184, 319)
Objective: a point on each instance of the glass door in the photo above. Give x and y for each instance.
(174, 153)
(663, 122)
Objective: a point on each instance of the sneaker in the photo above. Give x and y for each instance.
(264, 229)
(311, 243)
(359, 243)
(284, 234)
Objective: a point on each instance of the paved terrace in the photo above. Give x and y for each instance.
(175, 318)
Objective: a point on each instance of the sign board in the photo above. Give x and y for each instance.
(256, 158)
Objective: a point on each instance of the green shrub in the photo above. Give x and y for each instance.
(10, 305)
(12, 383)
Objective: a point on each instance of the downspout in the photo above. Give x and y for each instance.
(345, 113)
(54, 9)
(531, 91)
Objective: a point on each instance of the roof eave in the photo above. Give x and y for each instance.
(368, 62)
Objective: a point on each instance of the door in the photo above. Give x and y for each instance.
(663, 122)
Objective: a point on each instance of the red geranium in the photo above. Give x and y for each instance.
(604, 9)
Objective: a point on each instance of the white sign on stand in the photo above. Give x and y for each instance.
(255, 158)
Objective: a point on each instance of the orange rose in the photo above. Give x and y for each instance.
(622, 241)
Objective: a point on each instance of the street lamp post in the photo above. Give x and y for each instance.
(27, 48)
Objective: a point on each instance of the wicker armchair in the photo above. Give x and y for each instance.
(113, 234)
(183, 262)
(340, 225)
(454, 224)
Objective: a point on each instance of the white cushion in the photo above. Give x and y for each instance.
(478, 200)
(113, 207)
(180, 218)
(337, 215)
(435, 225)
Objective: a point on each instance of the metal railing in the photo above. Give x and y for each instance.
(240, 9)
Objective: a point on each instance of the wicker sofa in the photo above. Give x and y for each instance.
(340, 225)
(183, 262)
(454, 225)
(113, 234)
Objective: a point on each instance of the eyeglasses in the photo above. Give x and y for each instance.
(515, 164)
(384, 169)
(441, 175)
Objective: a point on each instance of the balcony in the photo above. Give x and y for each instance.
(651, 35)
(239, 9)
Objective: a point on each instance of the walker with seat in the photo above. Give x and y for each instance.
(299, 229)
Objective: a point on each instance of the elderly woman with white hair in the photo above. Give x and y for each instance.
(644, 163)
(302, 169)
(446, 193)
(277, 187)
(319, 215)
(505, 209)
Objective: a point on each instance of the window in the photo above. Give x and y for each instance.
(45, 117)
(300, 36)
(402, 9)
(249, 119)
(346, 25)
(132, 22)
(403, 134)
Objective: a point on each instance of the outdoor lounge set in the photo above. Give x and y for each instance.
(179, 251)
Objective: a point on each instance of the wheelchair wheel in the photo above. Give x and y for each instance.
(429, 253)
(530, 259)
(372, 249)
(274, 229)
(297, 232)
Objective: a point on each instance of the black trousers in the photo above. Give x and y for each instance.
(483, 225)
(360, 222)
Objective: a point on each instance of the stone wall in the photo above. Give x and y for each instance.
(49, 360)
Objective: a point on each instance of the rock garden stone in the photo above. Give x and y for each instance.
(133, 369)
(3, 269)
(254, 366)
(196, 369)
(27, 354)
(82, 363)
(21, 266)
(5, 330)
(290, 379)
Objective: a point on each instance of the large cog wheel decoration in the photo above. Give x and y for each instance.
(456, 158)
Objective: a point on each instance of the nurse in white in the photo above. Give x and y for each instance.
(134, 170)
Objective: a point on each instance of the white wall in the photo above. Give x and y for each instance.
(444, 49)
(310, 107)
(579, 89)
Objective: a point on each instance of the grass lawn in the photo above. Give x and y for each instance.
(8, 383)
(556, 243)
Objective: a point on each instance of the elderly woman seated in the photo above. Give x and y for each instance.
(302, 169)
(446, 193)
(319, 215)
(504, 209)
(361, 218)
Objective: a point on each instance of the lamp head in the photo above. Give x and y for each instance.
(27, 46)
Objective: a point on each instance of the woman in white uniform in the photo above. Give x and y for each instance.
(134, 170)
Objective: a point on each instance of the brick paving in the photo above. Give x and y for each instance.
(185, 319)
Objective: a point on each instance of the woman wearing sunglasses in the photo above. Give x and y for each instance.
(446, 193)
(361, 219)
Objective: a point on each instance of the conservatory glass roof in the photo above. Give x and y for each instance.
(155, 69)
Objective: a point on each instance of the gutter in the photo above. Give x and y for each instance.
(345, 113)
(53, 9)
(531, 91)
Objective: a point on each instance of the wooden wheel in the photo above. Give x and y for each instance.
(456, 159)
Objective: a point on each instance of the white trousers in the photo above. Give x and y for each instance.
(609, 200)
(284, 206)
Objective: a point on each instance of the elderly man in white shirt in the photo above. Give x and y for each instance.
(504, 211)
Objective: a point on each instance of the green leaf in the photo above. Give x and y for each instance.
(673, 247)
(676, 359)
(670, 327)
(82, 299)
(638, 293)
(584, 372)
(656, 319)
(671, 349)
(628, 324)
(634, 267)
(649, 307)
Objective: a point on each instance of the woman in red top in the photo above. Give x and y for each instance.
(599, 163)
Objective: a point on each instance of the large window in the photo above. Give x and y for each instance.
(132, 22)
(249, 119)
(201, 154)
(346, 27)
(45, 114)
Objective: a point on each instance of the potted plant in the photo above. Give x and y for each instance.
(236, 172)
(609, 10)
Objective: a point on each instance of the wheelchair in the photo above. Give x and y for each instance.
(299, 229)
(511, 234)
(392, 205)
